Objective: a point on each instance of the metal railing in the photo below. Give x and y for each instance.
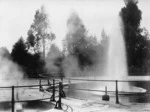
(59, 84)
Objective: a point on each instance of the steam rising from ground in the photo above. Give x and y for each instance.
(53, 60)
(89, 58)
(85, 55)
(9, 71)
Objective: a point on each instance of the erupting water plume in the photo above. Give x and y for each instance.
(96, 61)
(116, 63)
(88, 58)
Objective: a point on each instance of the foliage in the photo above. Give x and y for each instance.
(136, 43)
(19, 53)
(79, 44)
(39, 33)
(54, 61)
(35, 66)
(31, 64)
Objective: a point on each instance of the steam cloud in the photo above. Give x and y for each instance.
(85, 53)
(9, 71)
(53, 60)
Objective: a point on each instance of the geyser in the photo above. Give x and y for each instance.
(86, 58)
(116, 63)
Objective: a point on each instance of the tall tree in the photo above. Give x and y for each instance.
(136, 46)
(79, 44)
(19, 53)
(39, 33)
(31, 64)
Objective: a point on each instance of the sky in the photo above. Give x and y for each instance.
(16, 17)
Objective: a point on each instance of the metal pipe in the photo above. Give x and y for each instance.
(60, 90)
(58, 103)
(53, 95)
(117, 98)
(13, 100)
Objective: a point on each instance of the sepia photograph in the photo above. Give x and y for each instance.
(74, 56)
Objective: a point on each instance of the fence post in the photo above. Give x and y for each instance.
(63, 95)
(117, 98)
(40, 86)
(48, 83)
(61, 79)
(58, 103)
(106, 90)
(13, 100)
(53, 95)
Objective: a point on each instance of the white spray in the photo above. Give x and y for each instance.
(10, 72)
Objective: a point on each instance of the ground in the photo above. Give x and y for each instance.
(68, 104)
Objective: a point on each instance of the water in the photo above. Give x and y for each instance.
(116, 63)
(116, 67)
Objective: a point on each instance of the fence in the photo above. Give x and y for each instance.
(58, 83)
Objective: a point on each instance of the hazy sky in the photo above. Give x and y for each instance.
(16, 16)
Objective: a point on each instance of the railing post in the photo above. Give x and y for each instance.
(48, 83)
(106, 90)
(40, 86)
(53, 95)
(58, 103)
(63, 95)
(61, 79)
(117, 98)
(13, 100)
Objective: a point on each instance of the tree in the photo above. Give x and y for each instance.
(54, 61)
(19, 53)
(39, 33)
(31, 64)
(127, 1)
(136, 46)
(80, 45)
(35, 66)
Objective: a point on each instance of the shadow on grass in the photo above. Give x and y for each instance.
(5, 106)
(36, 104)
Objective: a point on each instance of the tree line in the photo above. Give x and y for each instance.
(33, 53)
